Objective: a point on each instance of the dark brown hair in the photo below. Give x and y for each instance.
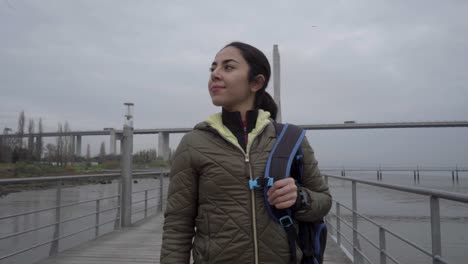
(258, 64)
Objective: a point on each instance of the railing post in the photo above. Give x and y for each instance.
(126, 174)
(435, 229)
(54, 248)
(146, 203)
(355, 224)
(161, 195)
(98, 209)
(338, 224)
(118, 217)
(383, 247)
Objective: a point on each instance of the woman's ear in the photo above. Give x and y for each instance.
(257, 83)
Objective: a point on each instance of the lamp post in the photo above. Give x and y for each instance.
(126, 163)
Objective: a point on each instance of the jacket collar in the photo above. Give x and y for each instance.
(216, 122)
(233, 121)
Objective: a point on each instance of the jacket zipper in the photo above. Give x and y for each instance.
(254, 215)
(252, 192)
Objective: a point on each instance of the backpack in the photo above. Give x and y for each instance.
(285, 160)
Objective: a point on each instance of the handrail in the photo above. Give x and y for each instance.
(73, 177)
(434, 195)
(59, 179)
(458, 197)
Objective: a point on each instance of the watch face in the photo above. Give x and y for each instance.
(304, 197)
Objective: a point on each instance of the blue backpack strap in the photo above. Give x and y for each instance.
(279, 164)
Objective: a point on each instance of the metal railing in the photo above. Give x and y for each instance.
(415, 171)
(357, 255)
(60, 180)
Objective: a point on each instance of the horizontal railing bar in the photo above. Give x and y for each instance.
(26, 213)
(27, 231)
(391, 258)
(362, 255)
(73, 177)
(49, 225)
(153, 189)
(395, 170)
(151, 198)
(151, 207)
(27, 249)
(342, 235)
(410, 243)
(86, 229)
(392, 233)
(55, 207)
(439, 258)
(83, 202)
(363, 216)
(458, 197)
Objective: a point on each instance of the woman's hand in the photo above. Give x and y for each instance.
(283, 193)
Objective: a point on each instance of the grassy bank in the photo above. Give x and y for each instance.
(26, 170)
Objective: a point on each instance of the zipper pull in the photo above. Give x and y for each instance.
(247, 159)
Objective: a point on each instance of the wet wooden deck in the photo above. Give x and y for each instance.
(139, 245)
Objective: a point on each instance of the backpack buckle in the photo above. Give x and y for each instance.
(253, 184)
(286, 221)
(260, 183)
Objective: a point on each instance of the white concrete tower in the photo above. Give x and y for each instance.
(277, 80)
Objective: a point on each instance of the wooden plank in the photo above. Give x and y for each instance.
(141, 244)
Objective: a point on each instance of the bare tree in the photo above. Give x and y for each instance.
(51, 153)
(68, 147)
(20, 132)
(31, 139)
(6, 147)
(102, 152)
(60, 146)
(88, 155)
(39, 143)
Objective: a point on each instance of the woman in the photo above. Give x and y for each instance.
(210, 208)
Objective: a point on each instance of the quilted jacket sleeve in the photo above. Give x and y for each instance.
(181, 208)
(315, 186)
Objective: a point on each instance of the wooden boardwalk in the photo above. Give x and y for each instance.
(141, 244)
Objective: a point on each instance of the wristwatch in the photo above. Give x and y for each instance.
(302, 200)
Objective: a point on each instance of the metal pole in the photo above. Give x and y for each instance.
(54, 248)
(355, 224)
(277, 81)
(161, 195)
(126, 164)
(146, 203)
(98, 209)
(383, 247)
(435, 229)
(126, 176)
(338, 224)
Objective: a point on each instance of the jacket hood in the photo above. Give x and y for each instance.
(215, 122)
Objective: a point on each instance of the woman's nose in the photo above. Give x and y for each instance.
(215, 75)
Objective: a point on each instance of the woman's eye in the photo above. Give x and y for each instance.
(211, 69)
(228, 67)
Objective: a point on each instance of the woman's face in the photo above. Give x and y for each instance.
(228, 85)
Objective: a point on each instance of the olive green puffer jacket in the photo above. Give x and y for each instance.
(210, 208)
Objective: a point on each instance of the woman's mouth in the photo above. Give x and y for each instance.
(216, 88)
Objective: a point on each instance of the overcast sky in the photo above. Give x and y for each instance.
(368, 61)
